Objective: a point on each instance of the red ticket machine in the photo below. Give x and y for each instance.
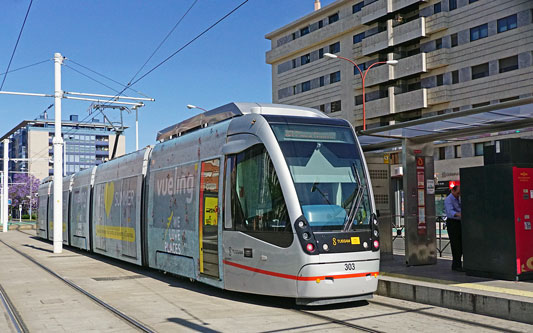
(523, 207)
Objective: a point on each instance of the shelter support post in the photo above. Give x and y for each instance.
(419, 193)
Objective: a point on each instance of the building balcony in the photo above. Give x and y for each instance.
(375, 43)
(381, 8)
(438, 95)
(408, 31)
(437, 59)
(405, 67)
(412, 100)
(375, 11)
(437, 22)
(395, 35)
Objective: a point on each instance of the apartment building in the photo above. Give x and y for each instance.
(452, 55)
(86, 144)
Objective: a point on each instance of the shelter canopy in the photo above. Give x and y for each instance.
(513, 115)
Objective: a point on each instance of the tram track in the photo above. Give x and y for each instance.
(129, 320)
(339, 322)
(12, 313)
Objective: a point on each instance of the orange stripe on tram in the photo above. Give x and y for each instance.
(299, 278)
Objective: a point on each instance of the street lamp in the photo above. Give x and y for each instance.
(190, 106)
(363, 76)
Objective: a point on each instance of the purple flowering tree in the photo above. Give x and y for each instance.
(23, 191)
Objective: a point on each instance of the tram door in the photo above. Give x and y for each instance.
(208, 228)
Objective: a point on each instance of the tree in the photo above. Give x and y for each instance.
(23, 191)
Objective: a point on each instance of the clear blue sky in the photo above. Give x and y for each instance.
(115, 37)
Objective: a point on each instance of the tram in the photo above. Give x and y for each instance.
(258, 198)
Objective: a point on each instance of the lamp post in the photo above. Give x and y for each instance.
(190, 106)
(363, 76)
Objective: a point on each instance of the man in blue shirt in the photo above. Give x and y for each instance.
(452, 205)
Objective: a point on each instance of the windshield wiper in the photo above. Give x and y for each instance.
(315, 188)
(356, 203)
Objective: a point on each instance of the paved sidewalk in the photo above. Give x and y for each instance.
(439, 285)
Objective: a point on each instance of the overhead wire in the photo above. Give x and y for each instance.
(130, 84)
(102, 75)
(164, 40)
(16, 44)
(25, 67)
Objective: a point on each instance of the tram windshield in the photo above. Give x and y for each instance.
(328, 174)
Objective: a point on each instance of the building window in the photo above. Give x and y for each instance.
(508, 64)
(472, 1)
(478, 105)
(335, 77)
(437, 8)
(321, 81)
(322, 107)
(357, 7)
(481, 31)
(320, 24)
(305, 59)
(456, 109)
(440, 80)
(452, 4)
(442, 153)
(438, 44)
(293, 63)
(480, 71)
(455, 77)
(304, 31)
(457, 151)
(306, 86)
(508, 99)
(333, 18)
(507, 23)
(358, 38)
(335, 106)
(358, 100)
(454, 41)
(320, 53)
(478, 148)
(335, 48)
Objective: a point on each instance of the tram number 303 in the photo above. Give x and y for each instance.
(350, 266)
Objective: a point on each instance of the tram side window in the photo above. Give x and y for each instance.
(257, 204)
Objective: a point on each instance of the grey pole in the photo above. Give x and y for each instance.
(58, 156)
(5, 186)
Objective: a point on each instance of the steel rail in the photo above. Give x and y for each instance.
(132, 322)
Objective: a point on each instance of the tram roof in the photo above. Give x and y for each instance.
(512, 115)
(232, 110)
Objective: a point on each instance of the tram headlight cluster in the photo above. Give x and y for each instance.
(375, 233)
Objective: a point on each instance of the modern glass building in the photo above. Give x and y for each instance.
(86, 144)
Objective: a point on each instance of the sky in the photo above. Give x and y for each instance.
(116, 37)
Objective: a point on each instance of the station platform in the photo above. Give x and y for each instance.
(82, 292)
(439, 285)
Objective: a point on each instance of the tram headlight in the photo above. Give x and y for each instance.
(365, 245)
(301, 224)
(310, 247)
(375, 221)
(306, 235)
(376, 233)
(325, 247)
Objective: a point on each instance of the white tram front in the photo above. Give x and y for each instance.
(259, 198)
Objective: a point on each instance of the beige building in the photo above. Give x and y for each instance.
(86, 144)
(452, 55)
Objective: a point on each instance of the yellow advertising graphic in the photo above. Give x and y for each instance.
(211, 211)
(355, 241)
(109, 194)
(119, 233)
